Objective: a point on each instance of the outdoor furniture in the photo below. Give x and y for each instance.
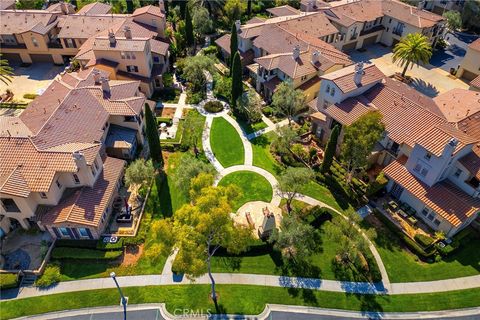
(124, 218)
(411, 211)
(393, 205)
(412, 220)
(402, 213)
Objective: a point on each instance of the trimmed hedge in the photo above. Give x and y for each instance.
(84, 254)
(89, 244)
(8, 281)
(50, 276)
(424, 240)
(213, 106)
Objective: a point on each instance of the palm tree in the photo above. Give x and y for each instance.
(5, 71)
(414, 48)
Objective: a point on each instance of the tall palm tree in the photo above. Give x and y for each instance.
(412, 49)
(5, 71)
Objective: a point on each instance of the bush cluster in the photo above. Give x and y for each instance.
(50, 276)
(8, 281)
(424, 240)
(213, 106)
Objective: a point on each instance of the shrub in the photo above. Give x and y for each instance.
(84, 254)
(8, 280)
(194, 97)
(30, 96)
(50, 276)
(377, 185)
(167, 79)
(299, 151)
(316, 216)
(268, 111)
(68, 243)
(222, 87)
(424, 240)
(166, 120)
(210, 50)
(213, 106)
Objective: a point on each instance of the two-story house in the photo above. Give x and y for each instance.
(59, 167)
(469, 68)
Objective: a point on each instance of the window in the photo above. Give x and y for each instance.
(332, 91)
(132, 68)
(157, 83)
(421, 168)
(303, 78)
(436, 222)
(458, 172)
(390, 20)
(35, 42)
(424, 172)
(64, 232)
(83, 232)
(43, 195)
(328, 88)
(425, 211)
(431, 216)
(76, 179)
(95, 164)
(156, 59)
(129, 119)
(9, 205)
(58, 184)
(69, 43)
(94, 172)
(428, 156)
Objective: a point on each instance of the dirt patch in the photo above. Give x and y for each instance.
(132, 254)
(166, 112)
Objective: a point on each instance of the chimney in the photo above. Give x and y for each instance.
(296, 52)
(449, 148)
(161, 4)
(96, 76)
(111, 38)
(420, 5)
(79, 159)
(105, 85)
(311, 4)
(128, 32)
(357, 77)
(238, 25)
(315, 56)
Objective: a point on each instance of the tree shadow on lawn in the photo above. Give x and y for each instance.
(164, 206)
(338, 192)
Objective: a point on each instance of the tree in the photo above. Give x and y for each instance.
(213, 6)
(194, 68)
(192, 130)
(152, 137)
(284, 140)
(190, 40)
(291, 182)
(249, 7)
(359, 139)
(139, 172)
(5, 71)
(237, 84)
(129, 6)
(233, 10)
(287, 101)
(295, 239)
(412, 49)
(233, 45)
(351, 244)
(202, 24)
(249, 105)
(199, 229)
(330, 150)
(454, 19)
(190, 168)
(471, 15)
(30, 4)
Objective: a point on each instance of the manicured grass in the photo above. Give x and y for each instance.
(226, 143)
(262, 157)
(240, 299)
(324, 194)
(198, 130)
(403, 266)
(254, 187)
(251, 127)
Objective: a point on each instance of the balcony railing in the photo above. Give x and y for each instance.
(54, 44)
(372, 30)
(398, 32)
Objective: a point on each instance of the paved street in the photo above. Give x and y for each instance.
(453, 55)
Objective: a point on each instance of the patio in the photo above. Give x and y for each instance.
(253, 214)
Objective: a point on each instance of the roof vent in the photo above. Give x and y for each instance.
(357, 77)
(96, 76)
(111, 38)
(296, 52)
(128, 32)
(238, 25)
(315, 56)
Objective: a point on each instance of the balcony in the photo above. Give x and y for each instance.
(397, 32)
(372, 30)
(13, 45)
(54, 44)
(354, 36)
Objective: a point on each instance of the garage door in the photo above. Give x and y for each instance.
(349, 47)
(41, 58)
(469, 76)
(369, 41)
(11, 57)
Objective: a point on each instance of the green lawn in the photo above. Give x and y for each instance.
(262, 157)
(254, 187)
(226, 143)
(324, 194)
(251, 127)
(403, 266)
(240, 299)
(198, 130)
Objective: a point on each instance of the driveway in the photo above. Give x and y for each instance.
(32, 79)
(428, 79)
(452, 56)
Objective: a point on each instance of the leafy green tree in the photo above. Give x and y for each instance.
(359, 139)
(295, 239)
(202, 23)
(352, 246)
(287, 101)
(214, 6)
(129, 6)
(190, 168)
(454, 19)
(198, 230)
(194, 68)
(237, 84)
(330, 150)
(249, 7)
(471, 14)
(29, 4)
(153, 138)
(139, 172)
(233, 45)
(192, 130)
(291, 182)
(249, 105)
(189, 38)
(412, 49)
(233, 10)
(5, 71)
(284, 140)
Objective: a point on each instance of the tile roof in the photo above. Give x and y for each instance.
(471, 162)
(86, 205)
(83, 27)
(255, 20)
(13, 126)
(315, 25)
(457, 104)
(20, 21)
(159, 47)
(153, 10)
(357, 11)
(475, 45)
(476, 82)
(7, 4)
(344, 78)
(121, 44)
(470, 125)
(409, 14)
(284, 10)
(444, 198)
(95, 8)
(348, 111)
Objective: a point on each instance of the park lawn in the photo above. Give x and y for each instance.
(251, 127)
(226, 143)
(262, 157)
(241, 299)
(254, 187)
(404, 266)
(324, 194)
(198, 130)
(163, 201)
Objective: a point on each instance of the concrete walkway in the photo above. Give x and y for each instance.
(271, 126)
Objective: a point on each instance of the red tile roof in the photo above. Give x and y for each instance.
(475, 45)
(344, 78)
(153, 10)
(95, 8)
(476, 82)
(457, 104)
(444, 198)
(471, 162)
(281, 11)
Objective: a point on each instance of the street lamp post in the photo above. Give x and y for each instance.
(123, 299)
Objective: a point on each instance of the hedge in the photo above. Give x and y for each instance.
(424, 240)
(8, 280)
(50, 276)
(82, 254)
(89, 244)
(411, 244)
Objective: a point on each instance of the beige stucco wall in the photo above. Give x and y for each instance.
(471, 62)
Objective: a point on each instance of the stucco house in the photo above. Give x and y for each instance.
(470, 66)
